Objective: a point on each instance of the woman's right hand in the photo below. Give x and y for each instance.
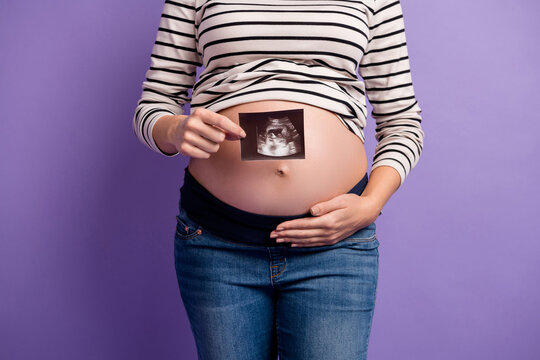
(199, 134)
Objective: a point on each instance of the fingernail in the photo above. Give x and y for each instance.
(243, 133)
(280, 228)
(315, 211)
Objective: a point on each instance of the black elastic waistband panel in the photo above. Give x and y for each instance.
(230, 222)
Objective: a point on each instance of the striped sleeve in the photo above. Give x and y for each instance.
(386, 72)
(173, 64)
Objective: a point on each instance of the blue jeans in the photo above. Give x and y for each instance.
(250, 301)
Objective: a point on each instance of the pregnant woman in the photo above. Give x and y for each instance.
(276, 252)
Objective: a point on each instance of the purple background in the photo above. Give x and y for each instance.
(87, 213)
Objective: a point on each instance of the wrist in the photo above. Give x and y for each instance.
(375, 204)
(382, 184)
(163, 133)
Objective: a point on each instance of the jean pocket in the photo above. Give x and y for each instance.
(186, 228)
(364, 238)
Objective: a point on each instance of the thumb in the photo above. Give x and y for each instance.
(232, 136)
(326, 206)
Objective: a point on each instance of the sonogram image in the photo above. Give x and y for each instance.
(273, 135)
(278, 137)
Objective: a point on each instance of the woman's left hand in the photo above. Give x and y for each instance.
(336, 219)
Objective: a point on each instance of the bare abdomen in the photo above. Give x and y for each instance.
(334, 161)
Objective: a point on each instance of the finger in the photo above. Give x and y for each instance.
(323, 222)
(336, 203)
(232, 137)
(193, 151)
(211, 133)
(317, 239)
(200, 142)
(220, 121)
(300, 233)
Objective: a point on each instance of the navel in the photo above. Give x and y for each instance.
(282, 170)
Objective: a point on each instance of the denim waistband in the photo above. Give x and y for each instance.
(230, 222)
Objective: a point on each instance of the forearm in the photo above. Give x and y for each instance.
(383, 183)
(162, 132)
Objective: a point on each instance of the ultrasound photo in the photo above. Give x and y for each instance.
(273, 135)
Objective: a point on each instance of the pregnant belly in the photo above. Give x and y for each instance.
(332, 162)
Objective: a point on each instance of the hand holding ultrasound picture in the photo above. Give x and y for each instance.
(273, 135)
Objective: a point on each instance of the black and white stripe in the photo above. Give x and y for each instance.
(307, 51)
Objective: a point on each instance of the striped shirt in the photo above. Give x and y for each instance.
(308, 51)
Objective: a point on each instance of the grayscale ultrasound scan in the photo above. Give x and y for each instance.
(273, 135)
